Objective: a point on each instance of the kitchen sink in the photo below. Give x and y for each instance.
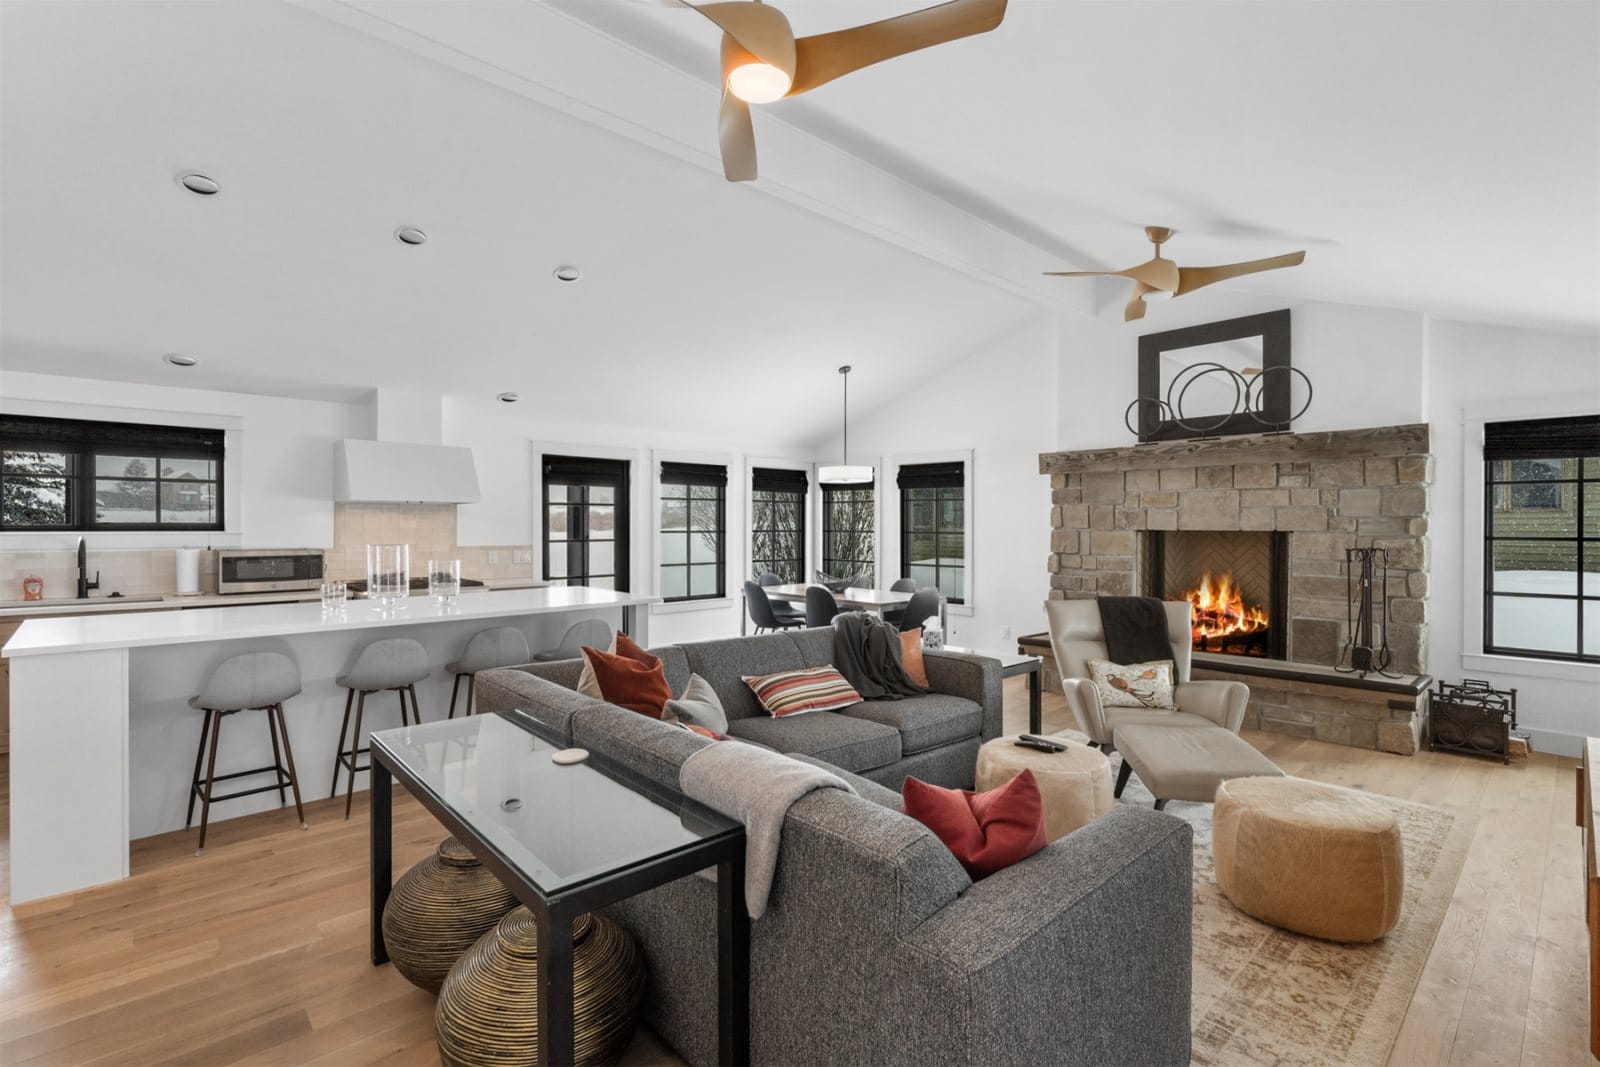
(90, 603)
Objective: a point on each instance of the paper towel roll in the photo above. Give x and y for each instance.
(188, 572)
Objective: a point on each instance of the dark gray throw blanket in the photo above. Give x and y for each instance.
(1135, 628)
(867, 652)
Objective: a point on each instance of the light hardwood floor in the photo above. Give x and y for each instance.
(255, 953)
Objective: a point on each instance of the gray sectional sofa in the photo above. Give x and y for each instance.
(876, 946)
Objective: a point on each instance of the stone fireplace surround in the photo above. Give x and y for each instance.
(1329, 491)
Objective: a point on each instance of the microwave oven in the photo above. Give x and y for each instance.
(268, 570)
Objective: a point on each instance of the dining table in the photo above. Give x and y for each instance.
(854, 598)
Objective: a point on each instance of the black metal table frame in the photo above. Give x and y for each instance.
(555, 913)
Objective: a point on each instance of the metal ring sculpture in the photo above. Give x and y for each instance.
(1249, 398)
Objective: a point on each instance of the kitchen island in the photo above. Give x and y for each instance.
(103, 738)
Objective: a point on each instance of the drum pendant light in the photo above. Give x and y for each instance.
(844, 472)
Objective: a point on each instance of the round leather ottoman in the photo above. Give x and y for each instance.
(1075, 784)
(1308, 857)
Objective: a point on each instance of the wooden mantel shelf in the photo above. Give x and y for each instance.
(1411, 440)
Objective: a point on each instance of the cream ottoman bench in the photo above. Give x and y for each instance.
(1186, 762)
(1075, 785)
(1308, 857)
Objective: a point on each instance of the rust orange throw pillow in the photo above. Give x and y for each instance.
(911, 656)
(630, 677)
(987, 832)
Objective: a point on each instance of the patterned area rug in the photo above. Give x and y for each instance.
(1267, 996)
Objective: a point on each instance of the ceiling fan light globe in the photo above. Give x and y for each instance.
(758, 83)
(1157, 294)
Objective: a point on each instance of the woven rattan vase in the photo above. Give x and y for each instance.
(488, 1010)
(437, 910)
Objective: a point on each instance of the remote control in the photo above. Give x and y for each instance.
(1024, 743)
(1057, 745)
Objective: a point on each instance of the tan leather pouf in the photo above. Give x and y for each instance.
(1075, 784)
(1308, 857)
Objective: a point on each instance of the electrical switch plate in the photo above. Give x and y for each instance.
(522, 555)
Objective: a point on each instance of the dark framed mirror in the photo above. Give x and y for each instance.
(1219, 378)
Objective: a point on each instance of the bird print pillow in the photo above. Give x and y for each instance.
(1133, 685)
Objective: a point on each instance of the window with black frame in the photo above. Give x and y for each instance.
(778, 523)
(1541, 561)
(586, 522)
(84, 475)
(933, 527)
(849, 532)
(693, 531)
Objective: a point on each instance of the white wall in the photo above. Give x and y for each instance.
(1489, 373)
(999, 403)
(1367, 365)
(279, 477)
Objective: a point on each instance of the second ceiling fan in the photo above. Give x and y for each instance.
(762, 61)
(1160, 278)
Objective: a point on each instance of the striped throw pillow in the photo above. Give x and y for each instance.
(810, 689)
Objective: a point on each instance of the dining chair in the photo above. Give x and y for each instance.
(821, 607)
(782, 609)
(761, 613)
(897, 615)
(923, 604)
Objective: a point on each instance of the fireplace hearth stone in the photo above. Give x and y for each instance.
(1327, 491)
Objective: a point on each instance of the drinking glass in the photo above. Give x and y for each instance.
(388, 572)
(333, 596)
(444, 579)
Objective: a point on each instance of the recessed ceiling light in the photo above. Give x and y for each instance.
(199, 183)
(508, 398)
(410, 235)
(178, 359)
(567, 274)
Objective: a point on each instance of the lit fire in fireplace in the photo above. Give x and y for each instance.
(1220, 612)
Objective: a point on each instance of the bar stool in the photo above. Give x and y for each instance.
(255, 681)
(501, 646)
(396, 663)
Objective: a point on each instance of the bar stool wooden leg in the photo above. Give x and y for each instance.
(472, 695)
(211, 773)
(277, 753)
(454, 689)
(416, 709)
(355, 751)
(199, 761)
(338, 757)
(404, 714)
(288, 756)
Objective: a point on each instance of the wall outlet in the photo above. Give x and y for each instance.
(522, 555)
(493, 557)
(1005, 633)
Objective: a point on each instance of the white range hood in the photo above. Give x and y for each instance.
(395, 472)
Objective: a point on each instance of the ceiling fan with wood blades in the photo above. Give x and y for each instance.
(762, 61)
(1161, 278)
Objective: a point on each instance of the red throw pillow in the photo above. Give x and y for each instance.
(987, 832)
(631, 677)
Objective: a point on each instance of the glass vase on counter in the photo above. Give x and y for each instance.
(444, 579)
(388, 572)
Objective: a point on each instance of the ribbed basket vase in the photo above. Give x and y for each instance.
(437, 910)
(488, 1010)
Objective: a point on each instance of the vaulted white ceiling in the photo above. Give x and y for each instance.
(1439, 157)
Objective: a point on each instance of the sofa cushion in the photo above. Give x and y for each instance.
(653, 748)
(724, 664)
(631, 678)
(816, 646)
(924, 722)
(844, 741)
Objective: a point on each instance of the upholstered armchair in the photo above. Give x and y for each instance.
(1076, 637)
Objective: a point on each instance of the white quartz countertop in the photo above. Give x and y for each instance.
(173, 602)
(43, 636)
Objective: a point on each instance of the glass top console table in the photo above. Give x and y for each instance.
(565, 840)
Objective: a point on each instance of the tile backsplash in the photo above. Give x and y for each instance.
(430, 530)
